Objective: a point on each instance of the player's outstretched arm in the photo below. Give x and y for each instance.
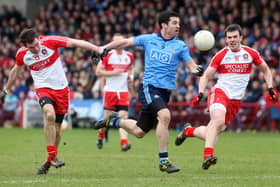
(121, 43)
(104, 50)
(83, 44)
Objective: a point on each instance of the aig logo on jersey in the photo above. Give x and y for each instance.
(161, 56)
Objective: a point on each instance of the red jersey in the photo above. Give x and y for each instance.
(45, 67)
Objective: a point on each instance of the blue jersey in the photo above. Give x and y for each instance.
(161, 59)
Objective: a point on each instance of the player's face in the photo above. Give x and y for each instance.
(233, 40)
(34, 47)
(173, 26)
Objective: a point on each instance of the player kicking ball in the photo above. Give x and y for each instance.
(41, 56)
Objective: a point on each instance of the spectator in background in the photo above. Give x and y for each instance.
(254, 93)
(11, 103)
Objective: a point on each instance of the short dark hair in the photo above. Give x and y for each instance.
(233, 27)
(27, 36)
(164, 17)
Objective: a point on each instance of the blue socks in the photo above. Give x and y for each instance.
(163, 156)
(116, 122)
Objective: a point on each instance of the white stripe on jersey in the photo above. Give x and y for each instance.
(234, 70)
(118, 82)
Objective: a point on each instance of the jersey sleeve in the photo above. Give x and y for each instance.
(215, 62)
(131, 57)
(19, 57)
(141, 39)
(185, 54)
(56, 41)
(257, 59)
(217, 59)
(105, 60)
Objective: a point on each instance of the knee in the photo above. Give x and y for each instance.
(50, 116)
(164, 116)
(166, 119)
(140, 134)
(218, 124)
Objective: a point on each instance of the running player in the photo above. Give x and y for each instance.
(233, 64)
(163, 52)
(117, 68)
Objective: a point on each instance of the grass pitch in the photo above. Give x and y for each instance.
(245, 159)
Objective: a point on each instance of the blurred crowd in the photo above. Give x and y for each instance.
(97, 20)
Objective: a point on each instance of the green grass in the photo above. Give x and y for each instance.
(245, 159)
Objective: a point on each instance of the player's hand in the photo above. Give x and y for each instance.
(196, 99)
(95, 58)
(103, 52)
(117, 71)
(273, 94)
(199, 71)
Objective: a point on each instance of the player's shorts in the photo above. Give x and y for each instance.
(153, 100)
(115, 100)
(59, 98)
(218, 99)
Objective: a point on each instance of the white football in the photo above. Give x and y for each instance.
(204, 40)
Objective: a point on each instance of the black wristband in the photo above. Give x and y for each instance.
(104, 52)
(200, 96)
(270, 90)
(95, 57)
(4, 92)
(199, 71)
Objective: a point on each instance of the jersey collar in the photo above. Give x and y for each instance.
(159, 35)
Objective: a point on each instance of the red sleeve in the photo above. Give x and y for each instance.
(56, 41)
(257, 59)
(20, 55)
(131, 57)
(217, 59)
(106, 59)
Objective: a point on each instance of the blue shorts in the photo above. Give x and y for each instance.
(153, 100)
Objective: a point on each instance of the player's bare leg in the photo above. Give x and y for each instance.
(58, 133)
(162, 129)
(214, 127)
(162, 134)
(101, 132)
(56, 162)
(50, 136)
(200, 132)
(189, 131)
(124, 143)
(129, 125)
(101, 136)
(49, 127)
